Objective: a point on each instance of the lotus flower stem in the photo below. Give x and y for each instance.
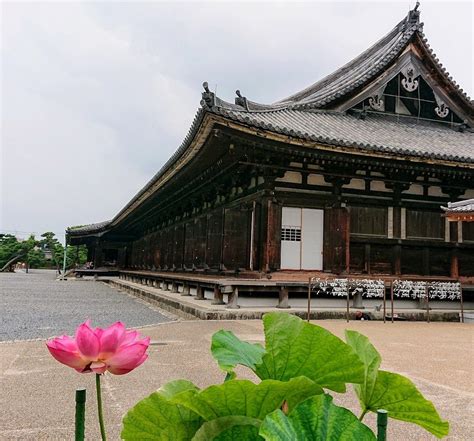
(99, 407)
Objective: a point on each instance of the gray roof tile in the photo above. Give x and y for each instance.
(376, 132)
(466, 206)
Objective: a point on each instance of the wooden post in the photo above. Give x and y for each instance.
(80, 414)
(174, 287)
(454, 264)
(270, 245)
(427, 293)
(199, 292)
(397, 267)
(185, 289)
(233, 302)
(462, 304)
(391, 297)
(384, 303)
(309, 298)
(218, 298)
(347, 309)
(283, 298)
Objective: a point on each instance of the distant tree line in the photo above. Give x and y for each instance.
(46, 252)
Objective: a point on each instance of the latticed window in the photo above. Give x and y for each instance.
(290, 233)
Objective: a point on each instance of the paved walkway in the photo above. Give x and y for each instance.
(37, 399)
(36, 305)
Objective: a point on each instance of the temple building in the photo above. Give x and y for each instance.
(347, 176)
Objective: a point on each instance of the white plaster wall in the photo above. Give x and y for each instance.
(469, 194)
(291, 176)
(314, 179)
(435, 191)
(378, 186)
(356, 184)
(414, 189)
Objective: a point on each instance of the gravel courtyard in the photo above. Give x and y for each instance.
(35, 305)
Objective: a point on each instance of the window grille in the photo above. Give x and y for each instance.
(292, 234)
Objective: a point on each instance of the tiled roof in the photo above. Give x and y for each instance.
(85, 229)
(375, 132)
(461, 207)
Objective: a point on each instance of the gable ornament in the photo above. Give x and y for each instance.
(410, 74)
(376, 103)
(442, 110)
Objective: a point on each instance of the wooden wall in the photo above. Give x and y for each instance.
(217, 240)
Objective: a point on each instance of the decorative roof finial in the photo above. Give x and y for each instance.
(414, 14)
(208, 97)
(241, 100)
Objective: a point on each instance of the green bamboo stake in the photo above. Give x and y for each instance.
(80, 414)
(382, 421)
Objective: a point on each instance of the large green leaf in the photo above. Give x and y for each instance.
(295, 347)
(317, 418)
(242, 397)
(403, 401)
(157, 418)
(392, 392)
(229, 351)
(239, 433)
(240, 428)
(371, 359)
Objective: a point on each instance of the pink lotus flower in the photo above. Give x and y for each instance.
(114, 349)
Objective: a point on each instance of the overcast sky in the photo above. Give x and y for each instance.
(96, 96)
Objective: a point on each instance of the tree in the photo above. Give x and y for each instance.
(9, 248)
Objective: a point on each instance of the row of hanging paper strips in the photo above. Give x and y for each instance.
(401, 288)
(341, 287)
(417, 290)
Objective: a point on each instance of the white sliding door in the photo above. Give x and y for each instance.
(291, 238)
(312, 239)
(302, 238)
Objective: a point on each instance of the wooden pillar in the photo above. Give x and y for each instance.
(199, 292)
(367, 257)
(218, 297)
(454, 264)
(165, 285)
(397, 260)
(426, 261)
(98, 255)
(186, 289)
(174, 287)
(336, 250)
(233, 302)
(283, 298)
(271, 232)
